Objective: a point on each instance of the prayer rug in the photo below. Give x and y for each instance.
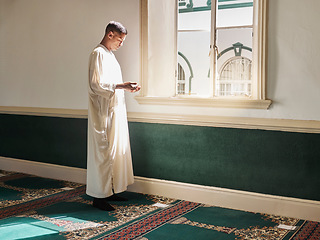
(38, 208)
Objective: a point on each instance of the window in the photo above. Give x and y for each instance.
(182, 85)
(181, 82)
(234, 78)
(204, 53)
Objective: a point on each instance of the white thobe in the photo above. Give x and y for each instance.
(109, 163)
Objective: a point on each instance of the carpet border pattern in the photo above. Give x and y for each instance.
(150, 223)
(41, 202)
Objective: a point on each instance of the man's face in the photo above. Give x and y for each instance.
(116, 40)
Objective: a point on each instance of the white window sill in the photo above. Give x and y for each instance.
(206, 102)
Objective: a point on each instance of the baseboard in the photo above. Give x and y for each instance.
(227, 198)
(46, 170)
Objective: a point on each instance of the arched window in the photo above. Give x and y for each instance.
(181, 86)
(184, 72)
(235, 77)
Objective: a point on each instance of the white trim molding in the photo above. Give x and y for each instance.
(46, 170)
(228, 198)
(221, 197)
(50, 112)
(289, 125)
(206, 102)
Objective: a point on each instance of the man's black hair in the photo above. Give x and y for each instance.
(116, 27)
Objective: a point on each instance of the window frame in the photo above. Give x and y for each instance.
(258, 99)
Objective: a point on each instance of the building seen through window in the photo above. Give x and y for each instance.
(215, 40)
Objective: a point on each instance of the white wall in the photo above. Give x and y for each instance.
(294, 63)
(45, 44)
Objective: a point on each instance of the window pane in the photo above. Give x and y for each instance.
(234, 13)
(234, 39)
(194, 26)
(236, 74)
(234, 42)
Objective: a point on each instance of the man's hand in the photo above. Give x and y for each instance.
(129, 86)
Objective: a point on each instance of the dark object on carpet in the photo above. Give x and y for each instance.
(116, 198)
(102, 204)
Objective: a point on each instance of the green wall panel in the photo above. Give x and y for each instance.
(271, 162)
(53, 140)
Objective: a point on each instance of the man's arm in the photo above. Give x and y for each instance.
(129, 86)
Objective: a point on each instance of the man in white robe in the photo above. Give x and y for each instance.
(109, 164)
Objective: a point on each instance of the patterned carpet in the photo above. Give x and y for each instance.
(38, 208)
